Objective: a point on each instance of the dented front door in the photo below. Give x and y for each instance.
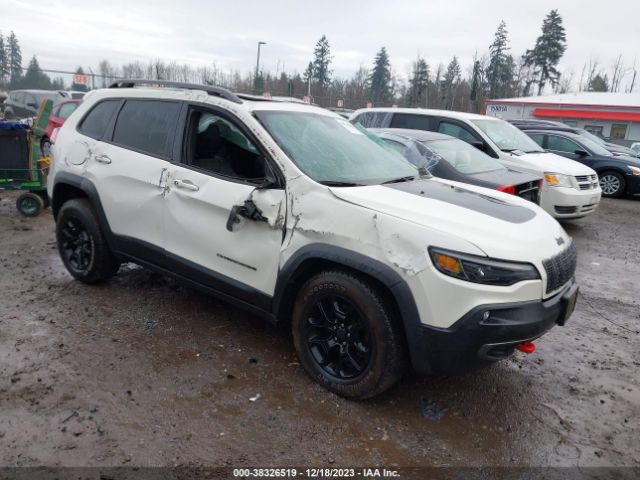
(200, 246)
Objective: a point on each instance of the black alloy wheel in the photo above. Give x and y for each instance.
(338, 338)
(76, 245)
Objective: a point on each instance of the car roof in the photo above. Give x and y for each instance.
(67, 100)
(428, 111)
(418, 135)
(36, 91)
(205, 94)
(558, 132)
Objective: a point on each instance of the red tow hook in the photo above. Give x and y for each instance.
(526, 347)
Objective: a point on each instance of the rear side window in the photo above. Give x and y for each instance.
(96, 121)
(374, 119)
(410, 121)
(66, 109)
(457, 131)
(147, 126)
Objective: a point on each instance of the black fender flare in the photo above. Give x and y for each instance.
(358, 262)
(91, 193)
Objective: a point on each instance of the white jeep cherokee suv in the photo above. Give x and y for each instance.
(569, 190)
(294, 213)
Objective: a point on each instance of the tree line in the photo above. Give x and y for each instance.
(496, 74)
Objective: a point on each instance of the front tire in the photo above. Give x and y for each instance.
(612, 184)
(347, 335)
(82, 245)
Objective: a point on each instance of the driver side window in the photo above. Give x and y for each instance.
(216, 145)
(561, 144)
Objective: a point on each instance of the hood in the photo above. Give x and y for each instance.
(504, 176)
(501, 225)
(550, 162)
(623, 159)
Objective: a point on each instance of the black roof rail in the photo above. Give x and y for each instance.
(211, 90)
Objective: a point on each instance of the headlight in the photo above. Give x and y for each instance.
(477, 269)
(557, 179)
(634, 170)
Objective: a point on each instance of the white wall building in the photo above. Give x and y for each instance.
(615, 115)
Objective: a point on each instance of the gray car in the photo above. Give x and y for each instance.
(25, 103)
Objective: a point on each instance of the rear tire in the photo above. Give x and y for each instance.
(347, 335)
(82, 245)
(612, 184)
(30, 204)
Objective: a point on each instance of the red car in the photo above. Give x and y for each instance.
(59, 114)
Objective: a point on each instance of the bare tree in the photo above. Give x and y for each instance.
(618, 72)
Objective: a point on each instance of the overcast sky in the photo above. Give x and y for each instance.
(67, 33)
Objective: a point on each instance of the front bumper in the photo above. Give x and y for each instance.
(566, 202)
(633, 184)
(475, 341)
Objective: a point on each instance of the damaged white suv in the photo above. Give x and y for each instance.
(292, 212)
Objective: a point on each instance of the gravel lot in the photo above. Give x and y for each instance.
(145, 372)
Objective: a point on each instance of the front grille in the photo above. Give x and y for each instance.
(565, 210)
(587, 182)
(529, 191)
(560, 268)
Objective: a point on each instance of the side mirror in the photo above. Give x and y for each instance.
(581, 153)
(478, 145)
(32, 105)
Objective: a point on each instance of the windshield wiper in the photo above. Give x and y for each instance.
(400, 179)
(534, 151)
(332, 183)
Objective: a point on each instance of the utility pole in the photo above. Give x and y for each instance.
(258, 64)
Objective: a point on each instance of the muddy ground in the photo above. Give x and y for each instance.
(143, 371)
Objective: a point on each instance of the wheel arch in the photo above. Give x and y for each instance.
(617, 170)
(68, 186)
(314, 258)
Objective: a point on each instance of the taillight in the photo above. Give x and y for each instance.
(507, 189)
(54, 135)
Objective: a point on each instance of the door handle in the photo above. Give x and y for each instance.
(102, 159)
(186, 184)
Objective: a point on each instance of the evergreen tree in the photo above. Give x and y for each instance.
(34, 77)
(321, 62)
(380, 79)
(450, 82)
(548, 50)
(4, 63)
(14, 58)
(419, 83)
(308, 73)
(500, 70)
(599, 83)
(476, 85)
(57, 84)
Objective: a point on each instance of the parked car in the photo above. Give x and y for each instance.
(452, 159)
(25, 103)
(618, 175)
(75, 94)
(59, 113)
(614, 148)
(3, 97)
(296, 214)
(565, 192)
